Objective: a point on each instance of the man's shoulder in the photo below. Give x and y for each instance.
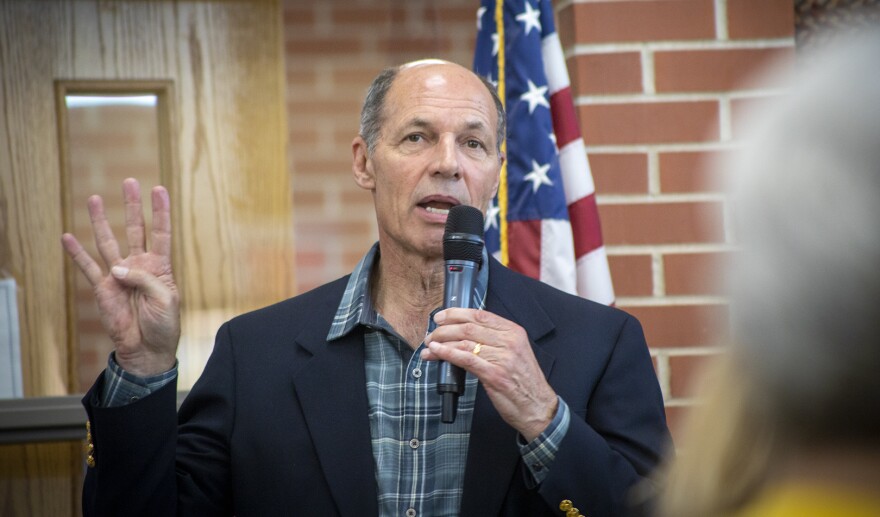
(312, 306)
(513, 285)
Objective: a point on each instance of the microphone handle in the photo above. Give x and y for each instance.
(461, 278)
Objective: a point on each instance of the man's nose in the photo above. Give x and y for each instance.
(446, 158)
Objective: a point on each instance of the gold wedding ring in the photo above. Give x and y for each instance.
(477, 348)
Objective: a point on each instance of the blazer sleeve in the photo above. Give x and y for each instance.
(152, 460)
(621, 437)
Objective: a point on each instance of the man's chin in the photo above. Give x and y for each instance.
(431, 249)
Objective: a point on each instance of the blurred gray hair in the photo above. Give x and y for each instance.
(373, 111)
(806, 285)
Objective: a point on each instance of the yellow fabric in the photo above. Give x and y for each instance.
(813, 501)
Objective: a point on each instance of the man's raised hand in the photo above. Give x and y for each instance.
(137, 298)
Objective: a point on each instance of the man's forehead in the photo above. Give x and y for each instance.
(430, 72)
(438, 78)
(421, 86)
(427, 122)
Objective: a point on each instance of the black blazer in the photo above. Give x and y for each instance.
(278, 425)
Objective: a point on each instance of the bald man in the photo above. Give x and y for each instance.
(326, 403)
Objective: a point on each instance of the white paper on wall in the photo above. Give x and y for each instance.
(10, 347)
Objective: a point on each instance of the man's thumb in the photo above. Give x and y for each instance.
(146, 282)
(119, 272)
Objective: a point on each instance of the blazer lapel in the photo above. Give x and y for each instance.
(331, 388)
(493, 454)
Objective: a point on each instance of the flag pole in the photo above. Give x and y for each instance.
(502, 185)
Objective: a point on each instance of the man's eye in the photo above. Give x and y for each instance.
(414, 138)
(474, 144)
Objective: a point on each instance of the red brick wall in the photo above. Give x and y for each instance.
(659, 85)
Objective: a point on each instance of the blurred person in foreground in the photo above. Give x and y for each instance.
(789, 424)
(326, 404)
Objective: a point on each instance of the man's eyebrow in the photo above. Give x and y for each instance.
(418, 122)
(476, 125)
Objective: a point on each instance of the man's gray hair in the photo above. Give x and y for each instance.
(373, 114)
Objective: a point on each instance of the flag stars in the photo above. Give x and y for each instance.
(495, 43)
(535, 97)
(538, 176)
(531, 18)
(480, 12)
(491, 216)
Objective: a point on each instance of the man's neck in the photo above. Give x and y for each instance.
(405, 289)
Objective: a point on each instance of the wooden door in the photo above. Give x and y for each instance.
(220, 64)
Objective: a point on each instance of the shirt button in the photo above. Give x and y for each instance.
(134, 399)
(411, 512)
(417, 373)
(414, 443)
(537, 467)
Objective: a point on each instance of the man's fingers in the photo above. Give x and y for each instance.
(104, 239)
(469, 332)
(161, 234)
(483, 318)
(459, 353)
(82, 259)
(134, 216)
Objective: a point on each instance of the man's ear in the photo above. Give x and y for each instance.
(363, 175)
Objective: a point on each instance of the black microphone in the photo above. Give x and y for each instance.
(463, 253)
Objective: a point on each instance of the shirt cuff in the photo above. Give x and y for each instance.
(538, 455)
(122, 387)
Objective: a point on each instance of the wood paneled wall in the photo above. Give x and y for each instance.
(228, 181)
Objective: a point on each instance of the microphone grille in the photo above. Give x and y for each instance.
(464, 219)
(463, 236)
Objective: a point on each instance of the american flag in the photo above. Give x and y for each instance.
(544, 221)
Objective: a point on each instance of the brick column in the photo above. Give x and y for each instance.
(661, 87)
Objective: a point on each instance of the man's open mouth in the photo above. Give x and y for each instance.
(437, 210)
(437, 207)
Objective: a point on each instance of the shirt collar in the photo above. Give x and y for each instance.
(356, 307)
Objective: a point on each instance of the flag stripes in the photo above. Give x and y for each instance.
(547, 219)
